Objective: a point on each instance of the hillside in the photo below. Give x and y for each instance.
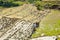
(30, 20)
(50, 25)
(21, 20)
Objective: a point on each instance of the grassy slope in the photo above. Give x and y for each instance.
(50, 25)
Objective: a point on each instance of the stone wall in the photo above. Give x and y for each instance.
(19, 29)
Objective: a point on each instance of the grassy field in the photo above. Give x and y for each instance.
(49, 26)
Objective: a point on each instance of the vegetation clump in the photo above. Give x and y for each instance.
(38, 3)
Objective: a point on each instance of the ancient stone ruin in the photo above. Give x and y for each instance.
(18, 23)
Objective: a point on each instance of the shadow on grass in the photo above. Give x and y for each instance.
(8, 4)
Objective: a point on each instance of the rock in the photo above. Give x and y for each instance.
(46, 38)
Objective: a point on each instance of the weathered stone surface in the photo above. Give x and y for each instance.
(46, 38)
(17, 22)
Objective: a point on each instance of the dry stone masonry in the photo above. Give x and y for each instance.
(18, 23)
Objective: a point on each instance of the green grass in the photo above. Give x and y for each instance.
(50, 25)
(1, 7)
(19, 2)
